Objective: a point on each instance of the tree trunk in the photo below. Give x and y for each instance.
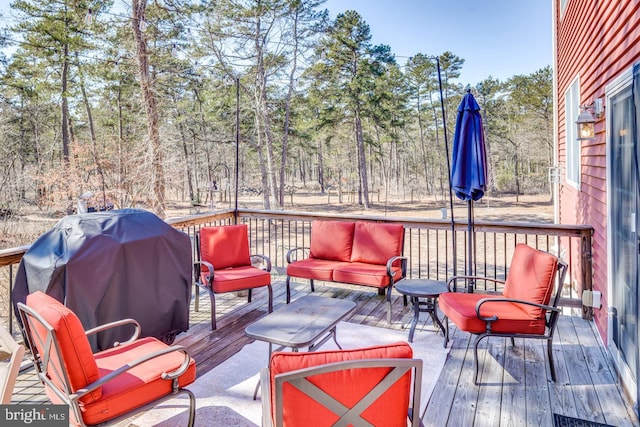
(64, 105)
(321, 168)
(362, 162)
(151, 109)
(187, 165)
(287, 115)
(92, 135)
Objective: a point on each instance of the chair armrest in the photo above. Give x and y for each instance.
(512, 301)
(265, 390)
(117, 323)
(292, 251)
(123, 369)
(263, 258)
(403, 265)
(209, 277)
(454, 279)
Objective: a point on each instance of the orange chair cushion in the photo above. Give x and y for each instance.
(313, 268)
(347, 386)
(139, 385)
(225, 246)
(365, 274)
(460, 308)
(331, 240)
(375, 243)
(235, 279)
(530, 278)
(77, 357)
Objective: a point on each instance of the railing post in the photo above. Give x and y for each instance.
(587, 272)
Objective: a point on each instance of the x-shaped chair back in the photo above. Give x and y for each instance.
(354, 415)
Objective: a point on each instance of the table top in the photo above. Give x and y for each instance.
(300, 323)
(421, 287)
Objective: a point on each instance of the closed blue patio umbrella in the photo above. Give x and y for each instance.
(469, 165)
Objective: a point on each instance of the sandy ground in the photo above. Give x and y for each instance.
(23, 229)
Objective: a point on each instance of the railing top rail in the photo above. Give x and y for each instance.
(11, 256)
(200, 218)
(417, 222)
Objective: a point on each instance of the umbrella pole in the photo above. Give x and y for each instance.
(471, 240)
(235, 211)
(446, 147)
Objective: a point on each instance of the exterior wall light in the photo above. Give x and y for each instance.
(586, 120)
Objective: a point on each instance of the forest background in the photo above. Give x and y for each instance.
(141, 107)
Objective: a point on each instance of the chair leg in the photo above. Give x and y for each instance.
(288, 283)
(513, 342)
(270, 298)
(197, 298)
(313, 288)
(388, 302)
(249, 296)
(446, 331)
(552, 367)
(475, 358)
(213, 311)
(192, 405)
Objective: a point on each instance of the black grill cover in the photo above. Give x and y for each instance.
(108, 266)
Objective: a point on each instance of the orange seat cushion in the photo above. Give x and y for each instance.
(139, 385)
(331, 240)
(460, 308)
(235, 279)
(312, 268)
(365, 274)
(347, 386)
(76, 353)
(530, 278)
(225, 246)
(375, 243)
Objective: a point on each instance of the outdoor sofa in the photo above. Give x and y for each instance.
(356, 252)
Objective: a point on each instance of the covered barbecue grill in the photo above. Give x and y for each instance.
(107, 266)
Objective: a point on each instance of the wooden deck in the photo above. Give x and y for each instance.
(516, 387)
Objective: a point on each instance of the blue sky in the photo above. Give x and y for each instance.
(500, 38)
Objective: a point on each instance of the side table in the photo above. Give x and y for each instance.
(429, 290)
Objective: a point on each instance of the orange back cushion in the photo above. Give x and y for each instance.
(530, 278)
(346, 386)
(375, 243)
(75, 350)
(225, 246)
(331, 240)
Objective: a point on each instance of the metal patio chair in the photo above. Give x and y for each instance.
(527, 307)
(111, 383)
(362, 387)
(225, 265)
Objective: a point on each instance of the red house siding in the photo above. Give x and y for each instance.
(595, 41)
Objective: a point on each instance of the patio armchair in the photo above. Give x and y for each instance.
(111, 383)
(527, 307)
(225, 265)
(9, 349)
(361, 387)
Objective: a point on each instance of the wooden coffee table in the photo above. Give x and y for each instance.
(309, 322)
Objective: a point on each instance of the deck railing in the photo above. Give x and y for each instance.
(429, 246)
